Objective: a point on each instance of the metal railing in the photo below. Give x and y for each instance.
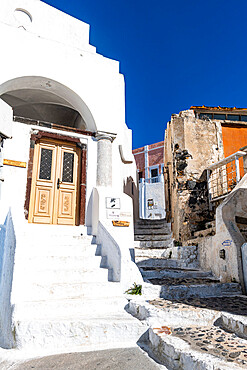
(152, 180)
(224, 175)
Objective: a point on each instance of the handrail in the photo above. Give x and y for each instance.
(222, 177)
(226, 160)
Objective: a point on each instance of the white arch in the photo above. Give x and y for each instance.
(63, 92)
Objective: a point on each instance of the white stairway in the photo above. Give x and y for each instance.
(62, 297)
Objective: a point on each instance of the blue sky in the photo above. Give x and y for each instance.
(173, 54)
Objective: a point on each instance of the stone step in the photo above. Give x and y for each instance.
(59, 308)
(187, 254)
(85, 290)
(162, 244)
(229, 312)
(53, 240)
(69, 275)
(42, 229)
(37, 263)
(117, 330)
(154, 237)
(197, 347)
(165, 263)
(152, 222)
(61, 250)
(150, 253)
(159, 274)
(206, 333)
(152, 231)
(204, 233)
(194, 290)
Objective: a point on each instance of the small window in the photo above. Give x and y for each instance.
(140, 174)
(154, 172)
(206, 115)
(233, 117)
(219, 116)
(244, 118)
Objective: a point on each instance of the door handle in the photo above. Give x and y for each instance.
(58, 183)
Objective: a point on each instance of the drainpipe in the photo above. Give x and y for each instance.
(146, 177)
(146, 161)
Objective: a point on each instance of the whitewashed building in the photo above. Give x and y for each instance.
(65, 162)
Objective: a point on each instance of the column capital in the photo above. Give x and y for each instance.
(102, 135)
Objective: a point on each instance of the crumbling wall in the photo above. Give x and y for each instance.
(191, 146)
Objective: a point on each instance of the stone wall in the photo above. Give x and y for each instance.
(191, 145)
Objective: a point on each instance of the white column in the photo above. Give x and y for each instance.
(104, 158)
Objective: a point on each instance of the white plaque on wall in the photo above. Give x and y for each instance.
(113, 203)
(113, 214)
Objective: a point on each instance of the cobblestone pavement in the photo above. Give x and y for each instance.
(113, 359)
(182, 281)
(235, 305)
(215, 341)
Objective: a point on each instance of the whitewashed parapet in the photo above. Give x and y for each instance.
(7, 245)
(228, 264)
(116, 242)
(6, 115)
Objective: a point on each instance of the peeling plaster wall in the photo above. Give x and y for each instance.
(191, 146)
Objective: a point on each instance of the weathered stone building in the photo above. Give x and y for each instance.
(205, 184)
(194, 140)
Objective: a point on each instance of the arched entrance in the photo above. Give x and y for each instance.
(43, 99)
(56, 186)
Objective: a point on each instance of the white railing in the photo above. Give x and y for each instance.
(224, 175)
(152, 180)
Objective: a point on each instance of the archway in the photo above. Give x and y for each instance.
(44, 99)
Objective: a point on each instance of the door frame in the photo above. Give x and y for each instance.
(82, 171)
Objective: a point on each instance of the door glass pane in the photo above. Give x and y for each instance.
(45, 164)
(68, 166)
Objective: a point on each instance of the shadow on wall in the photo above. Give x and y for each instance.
(7, 255)
(130, 188)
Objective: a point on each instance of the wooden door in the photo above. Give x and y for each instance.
(54, 183)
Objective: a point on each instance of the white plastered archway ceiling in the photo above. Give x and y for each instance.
(44, 99)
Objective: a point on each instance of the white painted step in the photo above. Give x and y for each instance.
(75, 307)
(63, 291)
(57, 262)
(68, 276)
(58, 250)
(117, 330)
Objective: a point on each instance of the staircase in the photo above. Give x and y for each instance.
(152, 238)
(62, 294)
(173, 272)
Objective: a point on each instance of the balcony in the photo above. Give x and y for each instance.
(223, 176)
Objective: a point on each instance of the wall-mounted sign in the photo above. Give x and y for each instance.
(121, 223)
(10, 162)
(112, 214)
(227, 243)
(150, 203)
(113, 203)
(126, 214)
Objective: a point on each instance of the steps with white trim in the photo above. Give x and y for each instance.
(62, 296)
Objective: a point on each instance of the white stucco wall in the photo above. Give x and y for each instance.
(54, 55)
(44, 50)
(5, 119)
